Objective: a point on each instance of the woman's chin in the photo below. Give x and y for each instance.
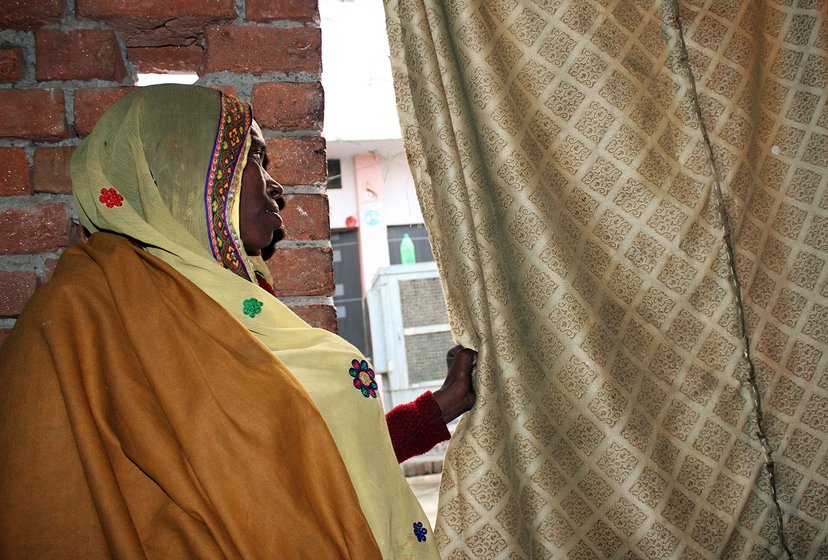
(268, 251)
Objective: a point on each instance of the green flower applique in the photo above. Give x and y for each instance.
(252, 307)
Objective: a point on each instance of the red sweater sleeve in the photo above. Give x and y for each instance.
(416, 427)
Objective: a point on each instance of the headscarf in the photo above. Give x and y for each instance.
(163, 167)
(175, 155)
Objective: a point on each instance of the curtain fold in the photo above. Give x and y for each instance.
(628, 204)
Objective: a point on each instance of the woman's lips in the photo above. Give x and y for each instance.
(279, 227)
(277, 216)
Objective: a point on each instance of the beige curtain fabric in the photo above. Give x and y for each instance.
(567, 156)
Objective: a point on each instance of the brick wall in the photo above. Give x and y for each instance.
(64, 62)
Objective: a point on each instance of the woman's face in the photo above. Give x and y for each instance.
(260, 199)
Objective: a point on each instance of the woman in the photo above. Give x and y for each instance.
(157, 401)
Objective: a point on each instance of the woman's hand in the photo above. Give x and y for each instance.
(456, 396)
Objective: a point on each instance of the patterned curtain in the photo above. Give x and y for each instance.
(628, 203)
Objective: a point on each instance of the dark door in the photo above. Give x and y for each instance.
(348, 294)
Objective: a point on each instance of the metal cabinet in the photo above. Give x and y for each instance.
(409, 331)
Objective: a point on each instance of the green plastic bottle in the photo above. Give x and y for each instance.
(408, 255)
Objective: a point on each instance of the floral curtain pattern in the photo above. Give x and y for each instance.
(568, 157)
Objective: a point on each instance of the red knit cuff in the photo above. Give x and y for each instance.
(416, 427)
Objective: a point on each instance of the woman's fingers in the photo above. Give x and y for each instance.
(451, 354)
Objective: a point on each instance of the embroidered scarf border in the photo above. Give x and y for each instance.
(219, 193)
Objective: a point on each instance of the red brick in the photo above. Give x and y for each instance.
(294, 10)
(289, 106)
(15, 290)
(263, 49)
(319, 316)
(49, 269)
(298, 161)
(33, 114)
(14, 172)
(159, 60)
(51, 170)
(304, 271)
(82, 54)
(4, 334)
(90, 104)
(38, 229)
(149, 23)
(306, 217)
(228, 89)
(11, 64)
(152, 12)
(28, 14)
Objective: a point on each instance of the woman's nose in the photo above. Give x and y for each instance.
(276, 192)
(274, 189)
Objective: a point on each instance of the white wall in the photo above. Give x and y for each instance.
(400, 205)
(343, 202)
(356, 72)
(361, 118)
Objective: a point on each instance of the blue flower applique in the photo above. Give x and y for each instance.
(364, 378)
(420, 531)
